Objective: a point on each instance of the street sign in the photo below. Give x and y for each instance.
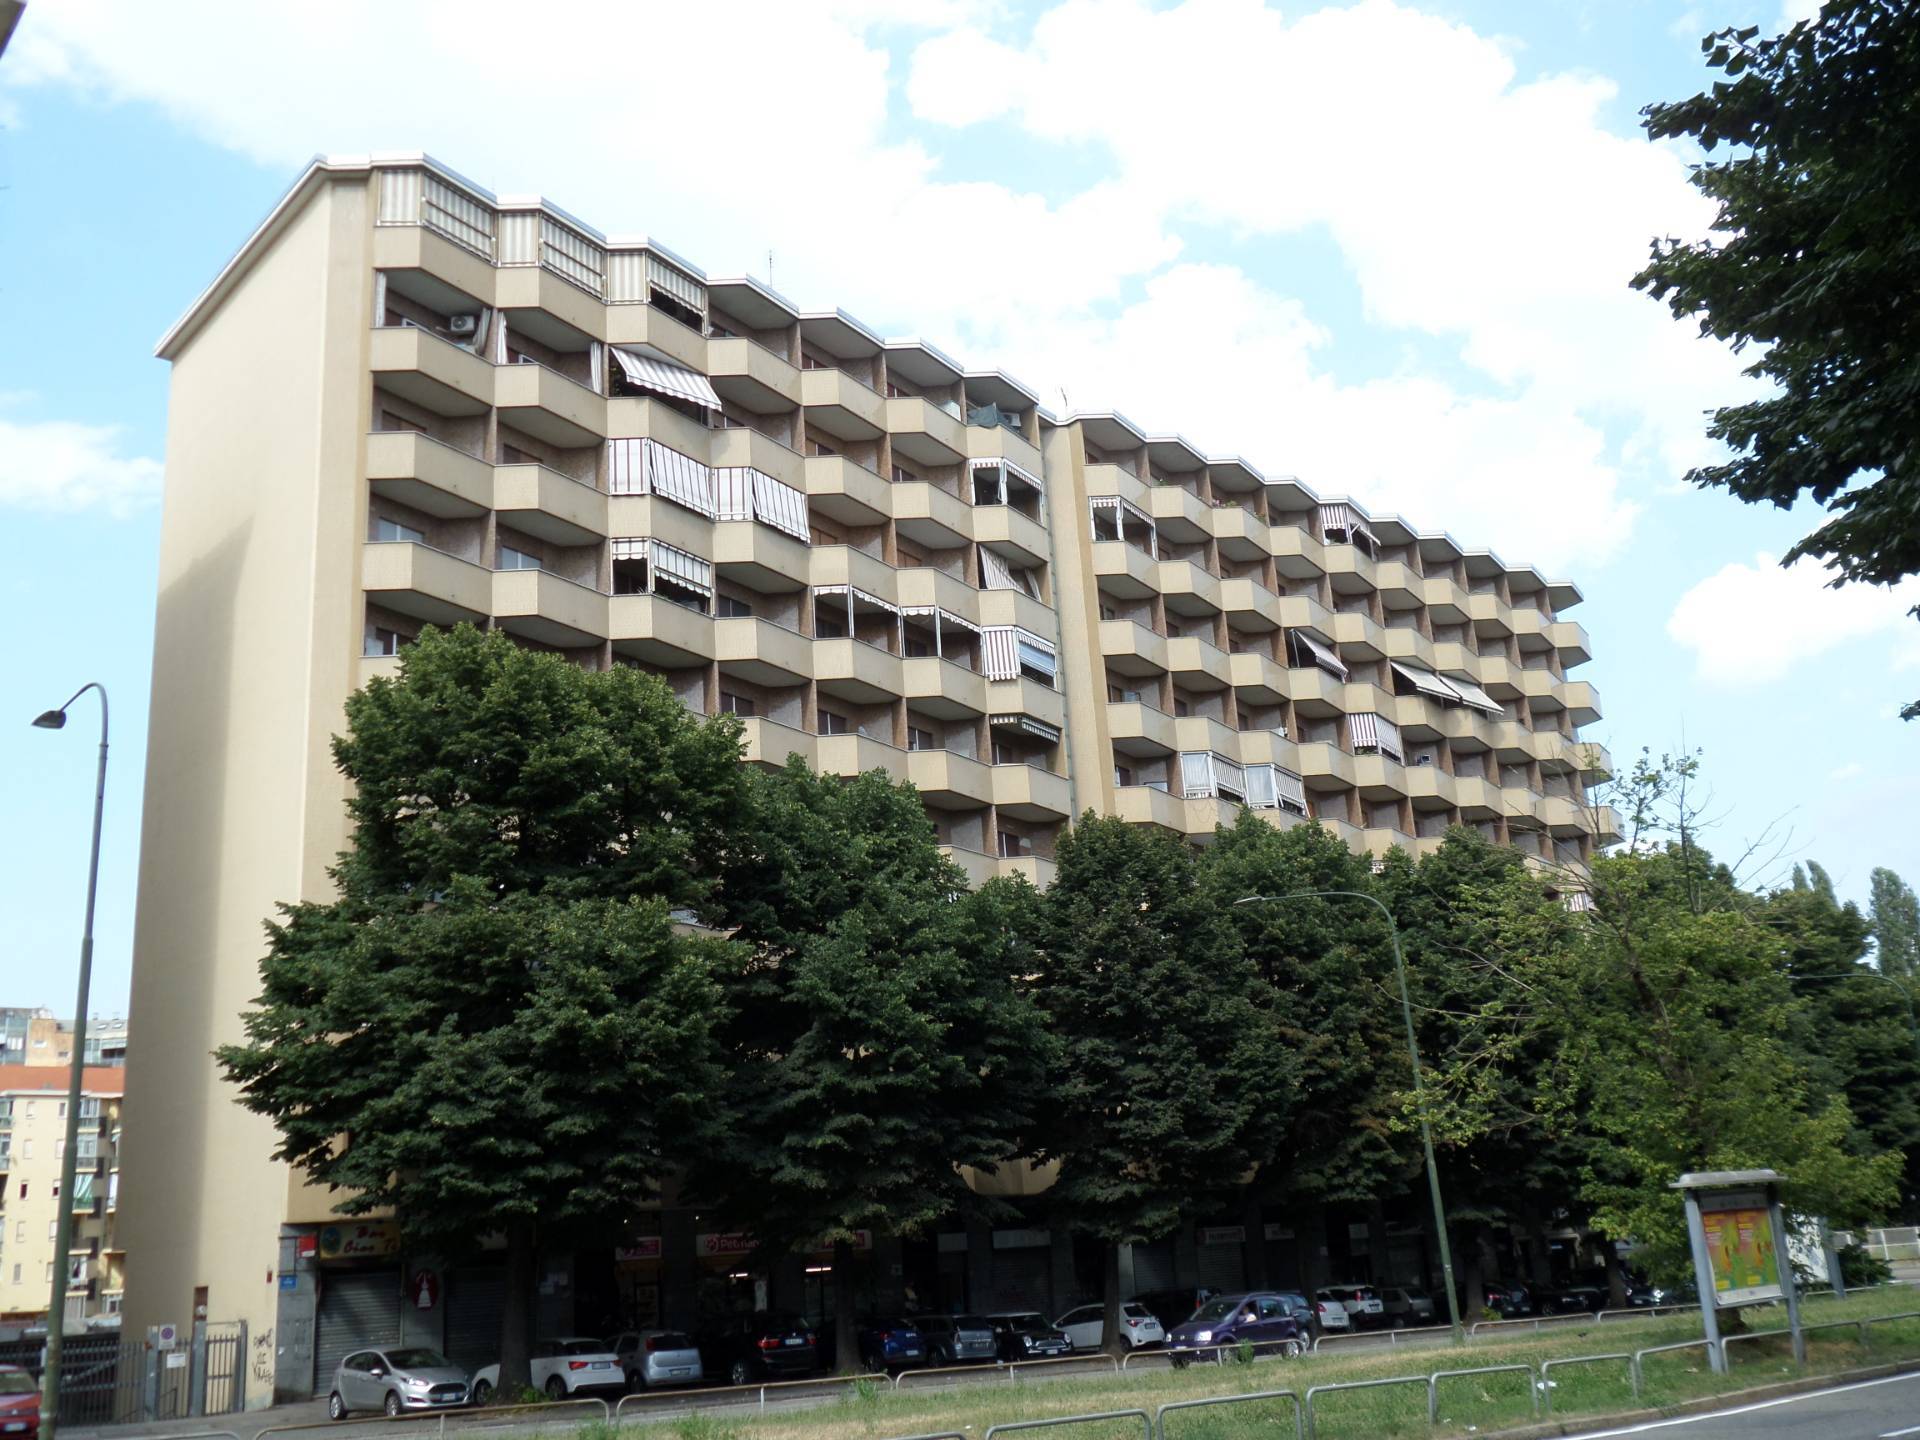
(167, 1337)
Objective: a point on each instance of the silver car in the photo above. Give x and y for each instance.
(404, 1378)
(652, 1358)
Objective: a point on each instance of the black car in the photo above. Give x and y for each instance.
(1572, 1300)
(766, 1345)
(1509, 1302)
(1028, 1336)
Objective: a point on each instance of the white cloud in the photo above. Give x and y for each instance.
(58, 465)
(1494, 217)
(1852, 771)
(1750, 624)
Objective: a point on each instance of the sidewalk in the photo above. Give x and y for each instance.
(246, 1424)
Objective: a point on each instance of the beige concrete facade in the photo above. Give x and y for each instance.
(408, 402)
(33, 1131)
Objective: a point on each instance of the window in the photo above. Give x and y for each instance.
(23, 1189)
(56, 1190)
(903, 476)
(20, 1232)
(832, 723)
(728, 608)
(1122, 775)
(741, 705)
(381, 641)
(1181, 706)
(829, 625)
(60, 1149)
(53, 1228)
(1012, 846)
(915, 649)
(393, 530)
(512, 559)
(918, 739)
(26, 1147)
(60, 1110)
(16, 1274)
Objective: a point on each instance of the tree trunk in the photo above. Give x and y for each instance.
(846, 1344)
(1113, 1329)
(1539, 1253)
(1616, 1276)
(1473, 1295)
(516, 1314)
(1312, 1228)
(1253, 1218)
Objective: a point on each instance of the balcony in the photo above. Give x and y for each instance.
(544, 503)
(841, 490)
(636, 416)
(1181, 517)
(659, 632)
(1570, 639)
(857, 672)
(1248, 603)
(839, 405)
(433, 373)
(1189, 590)
(1027, 697)
(747, 374)
(542, 606)
(943, 689)
(1257, 680)
(550, 407)
(534, 288)
(762, 652)
(427, 474)
(1131, 649)
(1189, 656)
(1325, 761)
(930, 516)
(1400, 588)
(1021, 541)
(1478, 798)
(948, 781)
(996, 442)
(759, 557)
(1241, 533)
(768, 742)
(1036, 870)
(1124, 570)
(1026, 792)
(429, 585)
(857, 754)
(844, 565)
(741, 446)
(651, 326)
(924, 433)
(1010, 607)
(1139, 729)
(1582, 700)
(975, 865)
(1147, 805)
(664, 520)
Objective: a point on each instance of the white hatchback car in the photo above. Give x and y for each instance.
(561, 1368)
(1086, 1327)
(1331, 1316)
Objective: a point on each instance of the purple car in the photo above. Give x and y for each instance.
(1262, 1319)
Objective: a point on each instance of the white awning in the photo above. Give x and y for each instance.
(679, 478)
(858, 595)
(1375, 732)
(1473, 695)
(1011, 470)
(1039, 729)
(684, 288)
(627, 467)
(1320, 653)
(1261, 793)
(1348, 520)
(663, 377)
(688, 570)
(994, 572)
(1427, 683)
(1290, 791)
(733, 492)
(778, 504)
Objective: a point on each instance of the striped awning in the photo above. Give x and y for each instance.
(1008, 648)
(1290, 791)
(1377, 733)
(1011, 471)
(994, 572)
(1260, 788)
(1320, 653)
(858, 596)
(778, 504)
(679, 478)
(733, 492)
(1039, 729)
(684, 288)
(663, 377)
(1472, 694)
(689, 570)
(1348, 520)
(1427, 683)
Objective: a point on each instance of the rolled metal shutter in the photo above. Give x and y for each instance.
(1153, 1267)
(359, 1309)
(1223, 1267)
(1021, 1280)
(475, 1300)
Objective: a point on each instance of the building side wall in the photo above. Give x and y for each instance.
(251, 656)
(1082, 671)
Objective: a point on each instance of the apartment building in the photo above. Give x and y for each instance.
(408, 402)
(33, 1145)
(37, 1037)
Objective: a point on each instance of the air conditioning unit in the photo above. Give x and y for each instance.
(463, 325)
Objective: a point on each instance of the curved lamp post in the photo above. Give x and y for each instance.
(1419, 1089)
(76, 1069)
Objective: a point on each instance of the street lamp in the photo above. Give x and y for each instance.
(76, 1069)
(1419, 1090)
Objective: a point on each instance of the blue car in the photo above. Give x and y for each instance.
(889, 1343)
(1262, 1319)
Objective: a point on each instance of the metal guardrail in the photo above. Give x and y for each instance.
(1535, 1322)
(1433, 1386)
(1726, 1340)
(1181, 1355)
(1146, 1422)
(691, 1397)
(1316, 1390)
(1299, 1411)
(994, 1367)
(1639, 1356)
(1546, 1373)
(1425, 1332)
(1644, 1312)
(1883, 1319)
(469, 1413)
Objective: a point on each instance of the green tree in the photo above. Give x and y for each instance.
(1676, 1015)
(1816, 262)
(1474, 925)
(1168, 1074)
(1895, 916)
(1329, 992)
(880, 1037)
(497, 1010)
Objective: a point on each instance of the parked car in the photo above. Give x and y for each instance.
(19, 1403)
(406, 1377)
(1086, 1326)
(768, 1344)
(1259, 1318)
(563, 1367)
(1404, 1306)
(1363, 1303)
(1028, 1335)
(889, 1343)
(955, 1339)
(1301, 1309)
(651, 1358)
(1332, 1317)
(1572, 1300)
(1509, 1302)
(1173, 1308)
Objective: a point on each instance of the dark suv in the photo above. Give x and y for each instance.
(768, 1344)
(891, 1344)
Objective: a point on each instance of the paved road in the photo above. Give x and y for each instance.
(1871, 1410)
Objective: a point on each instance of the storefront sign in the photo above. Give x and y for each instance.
(1223, 1235)
(304, 1246)
(642, 1247)
(1278, 1232)
(862, 1241)
(360, 1240)
(1021, 1239)
(742, 1244)
(289, 1280)
(1740, 1248)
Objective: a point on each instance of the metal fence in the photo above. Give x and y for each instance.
(1096, 1417)
(1012, 1368)
(1257, 1397)
(726, 1395)
(1433, 1385)
(1315, 1391)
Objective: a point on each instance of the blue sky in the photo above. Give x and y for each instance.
(1383, 247)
